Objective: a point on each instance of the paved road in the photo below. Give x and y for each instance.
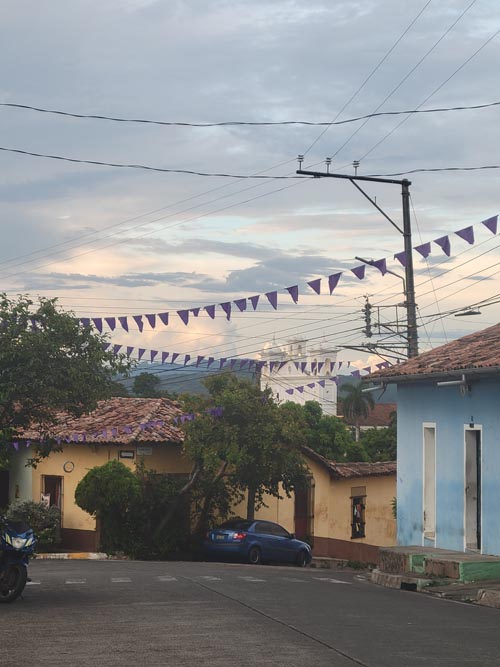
(109, 613)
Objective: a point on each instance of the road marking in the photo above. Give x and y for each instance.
(33, 583)
(75, 581)
(207, 578)
(166, 578)
(332, 581)
(294, 581)
(252, 579)
(121, 580)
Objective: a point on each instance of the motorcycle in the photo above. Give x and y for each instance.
(17, 544)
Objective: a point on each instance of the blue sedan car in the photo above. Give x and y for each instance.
(256, 542)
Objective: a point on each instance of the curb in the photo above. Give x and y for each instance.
(77, 555)
(488, 597)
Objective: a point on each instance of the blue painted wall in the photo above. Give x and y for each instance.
(444, 406)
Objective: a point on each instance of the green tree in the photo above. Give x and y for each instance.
(381, 443)
(48, 363)
(356, 404)
(109, 493)
(146, 385)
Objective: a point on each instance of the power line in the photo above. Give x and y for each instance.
(232, 123)
(436, 169)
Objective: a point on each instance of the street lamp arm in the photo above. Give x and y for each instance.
(377, 206)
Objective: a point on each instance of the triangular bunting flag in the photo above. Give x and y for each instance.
(210, 311)
(85, 321)
(315, 285)
(300, 389)
(272, 297)
(152, 355)
(210, 361)
(105, 346)
(293, 292)
(333, 281)
(241, 304)
(138, 320)
(467, 234)
(97, 323)
(199, 359)
(289, 391)
(140, 353)
(184, 315)
(116, 349)
(222, 362)
(111, 322)
(444, 243)
(401, 257)
(187, 358)
(130, 349)
(359, 271)
(151, 320)
(491, 224)
(195, 311)
(163, 318)
(123, 323)
(174, 357)
(322, 383)
(381, 265)
(424, 249)
(164, 356)
(226, 307)
(254, 300)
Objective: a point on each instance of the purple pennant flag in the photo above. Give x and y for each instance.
(241, 304)
(272, 366)
(243, 363)
(231, 363)
(195, 311)
(97, 323)
(164, 356)
(254, 300)
(130, 349)
(296, 364)
(152, 355)
(85, 321)
(424, 249)
(140, 353)
(259, 365)
(333, 281)
(322, 383)
(123, 323)
(444, 243)
(356, 374)
(401, 257)
(311, 385)
(116, 349)
(289, 391)
(320, 365)
(314, 365)
(315, 285)
(303, 366)
(211, 311)
(282, 363)
(359, 271)
(381, 265)
(138, 320)
(105, 346)
(226, 307)
(222, 362)
(184, 315)
(491, 224)
(340, 364)
(293, 292)
(187, 358)
(467, 234)
(151, 318)
(210, 361)
(199, 359)
(367, 369)
(163, 318)
(335, 379)
(300, 389)
(174, 357)
(272, 297)
(111, 322)
(381, 365)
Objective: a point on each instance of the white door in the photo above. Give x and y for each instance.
(429, 491)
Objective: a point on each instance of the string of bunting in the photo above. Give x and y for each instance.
(157, 357)
(108, 432)
(444, 242)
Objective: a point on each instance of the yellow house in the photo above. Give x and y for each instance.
(127, 429)
(345, 510)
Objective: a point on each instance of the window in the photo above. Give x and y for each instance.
(358, 502)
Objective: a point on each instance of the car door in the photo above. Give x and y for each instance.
(284, 544)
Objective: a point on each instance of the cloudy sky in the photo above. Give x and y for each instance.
(116, 241)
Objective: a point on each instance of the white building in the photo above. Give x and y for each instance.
(295, 373)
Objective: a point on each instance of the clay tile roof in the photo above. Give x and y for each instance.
(126, 416)
(480, 350)
(352, 470)
(379, 415)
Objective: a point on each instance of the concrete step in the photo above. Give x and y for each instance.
(406, 581)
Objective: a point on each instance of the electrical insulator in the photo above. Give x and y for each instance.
(368, 319)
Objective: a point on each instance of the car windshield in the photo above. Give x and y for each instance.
(236, 524)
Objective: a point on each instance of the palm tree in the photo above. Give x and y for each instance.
(356, 404)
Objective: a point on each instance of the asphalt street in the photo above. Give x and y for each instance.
(107, 613)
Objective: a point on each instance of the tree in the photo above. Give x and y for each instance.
(381, 443)
(356, 404)
(251, 448)
(48, 363)
(146, 385)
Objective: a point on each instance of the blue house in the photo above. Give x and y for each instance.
(448, 462)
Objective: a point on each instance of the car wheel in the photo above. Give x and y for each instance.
(254, 556)
(302, 559)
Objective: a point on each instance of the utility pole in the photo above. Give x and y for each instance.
(409, 284)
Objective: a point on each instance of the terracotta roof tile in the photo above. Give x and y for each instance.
(480, 350)
(351, 470)
(379, 415)
(123, 414)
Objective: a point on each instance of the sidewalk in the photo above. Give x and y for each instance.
(72, 555)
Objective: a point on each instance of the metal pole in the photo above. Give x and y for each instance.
(411, 306)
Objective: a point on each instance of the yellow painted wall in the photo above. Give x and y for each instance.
(164, 458)
(279, 511)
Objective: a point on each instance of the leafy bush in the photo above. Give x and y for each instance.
(45, 521)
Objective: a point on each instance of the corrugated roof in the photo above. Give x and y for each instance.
(121, 419)
(480, 350)
(352, 470)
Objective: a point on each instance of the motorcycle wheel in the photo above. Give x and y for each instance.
(12, 582)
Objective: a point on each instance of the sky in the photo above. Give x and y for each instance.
(109, 241)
